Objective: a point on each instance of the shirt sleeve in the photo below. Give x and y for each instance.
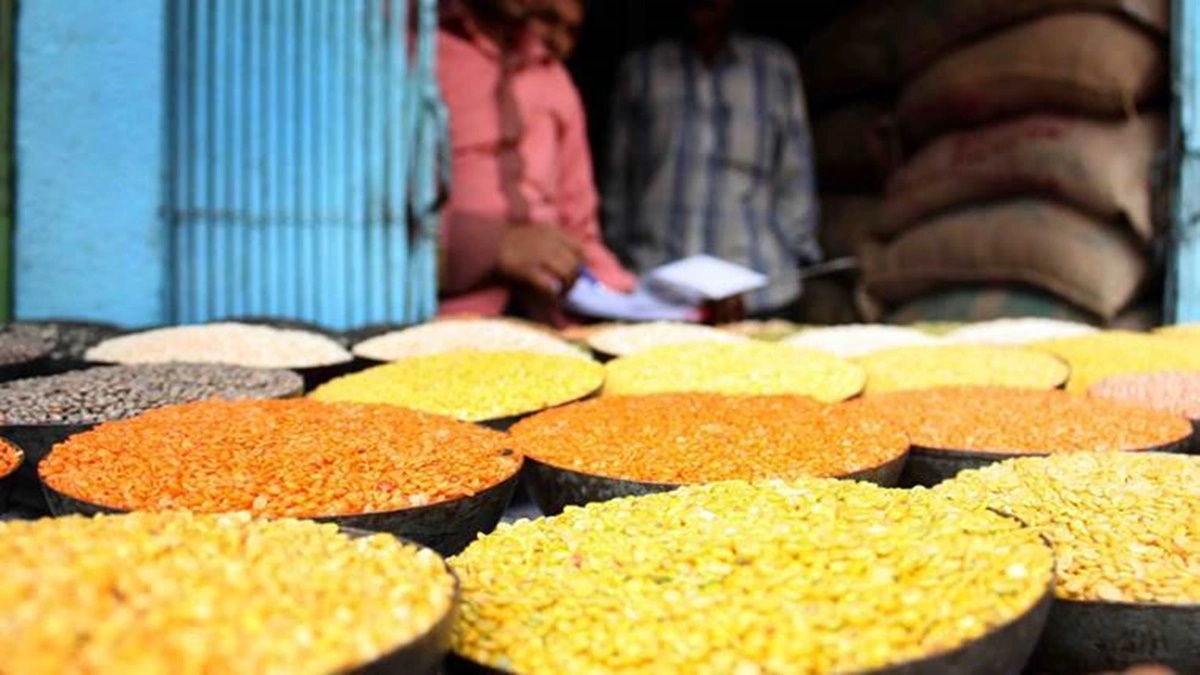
(796, 205)
(578, 203)
(469, 244)
(619, 161)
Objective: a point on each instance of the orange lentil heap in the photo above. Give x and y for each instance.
(299, 458)
(1023, 421)
(10, 457)
(701, 438)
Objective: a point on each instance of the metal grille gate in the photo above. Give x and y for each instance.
(303, 141)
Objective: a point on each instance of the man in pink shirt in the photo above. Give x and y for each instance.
(521, 222)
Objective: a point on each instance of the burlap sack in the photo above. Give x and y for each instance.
(847, 148)
(932, 28)
(1101, 167)
(1082, 63)
(968, 304)
(828, 301)
(854, 53)
(1093, 265)
(846, 223)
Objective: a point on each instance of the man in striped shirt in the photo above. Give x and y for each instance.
(710, 152)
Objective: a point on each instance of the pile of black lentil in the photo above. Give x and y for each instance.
(119, 392)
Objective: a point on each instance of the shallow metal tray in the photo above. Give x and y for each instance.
(446, 527)
(554, 488)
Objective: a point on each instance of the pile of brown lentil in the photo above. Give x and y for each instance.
(176, 593)
(1097, 357)
(1018, 332)
(807, 577)
(770, 330)
(745, 368)
(623, 340)
(299, 458)
(471, 385)
(860, 339)
(1019, 421)
(909, 368)
(119, 392)
(10, 457)
(1125, 526)
(703, 438)
(1173, 392)
(439, 337)
(236, 344)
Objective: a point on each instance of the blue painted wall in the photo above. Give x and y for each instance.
(90, 240)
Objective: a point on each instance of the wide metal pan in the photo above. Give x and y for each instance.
(446, 527)
(928, 467)
(1004, 650)
(554, 488)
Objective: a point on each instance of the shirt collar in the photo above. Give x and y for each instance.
(733, 52)
(457, 18)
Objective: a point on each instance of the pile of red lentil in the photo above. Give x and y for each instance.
(702, 438)
(1024, 421)
(10, 457)
(299, 458)
(1174, 392)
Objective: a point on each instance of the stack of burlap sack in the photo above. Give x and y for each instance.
(986, 158)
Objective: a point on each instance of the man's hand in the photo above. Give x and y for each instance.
(542, 257)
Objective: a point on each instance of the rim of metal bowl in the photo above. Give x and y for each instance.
(435, 639)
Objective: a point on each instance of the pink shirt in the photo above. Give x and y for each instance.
(520, 155)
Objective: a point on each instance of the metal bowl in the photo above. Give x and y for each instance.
(928, 467)
(1192, 444)
(554, 488)
(34, 367)
(1003, 651)
(423, 655)
(1093, 637)
(446, 527)
(316, 376)
(8, 479)
(69, 340)
(35, 440)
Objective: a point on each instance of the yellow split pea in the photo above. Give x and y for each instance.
(472, 386)
(1097, 357)
(814, 576)
(909, 368)
(174, 593)
(741, 368)
(1125, 526)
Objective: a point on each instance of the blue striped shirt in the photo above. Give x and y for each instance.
(713, 159)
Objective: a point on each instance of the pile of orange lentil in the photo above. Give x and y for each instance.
(702, 438)
(1023, 421)
(10, 457)
(298, 458)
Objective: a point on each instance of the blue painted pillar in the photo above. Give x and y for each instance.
(90, 161)
(1183, 272)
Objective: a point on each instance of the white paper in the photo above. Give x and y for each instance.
(589, 297)
(702, 278)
